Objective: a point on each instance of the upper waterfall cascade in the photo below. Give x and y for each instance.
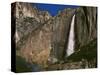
(71, 41)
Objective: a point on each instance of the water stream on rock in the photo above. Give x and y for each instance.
(71, 42)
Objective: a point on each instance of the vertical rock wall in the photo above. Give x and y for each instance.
(43, 38)
(85, 25)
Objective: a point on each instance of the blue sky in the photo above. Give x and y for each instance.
(52, 8)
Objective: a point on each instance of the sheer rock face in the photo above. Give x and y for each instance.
(85, 30)
(28, 18)
(38, 44)
(85, 25)
(61, 26)
(33, 33)
(42, 37)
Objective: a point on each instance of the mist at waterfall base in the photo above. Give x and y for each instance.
(53, 9)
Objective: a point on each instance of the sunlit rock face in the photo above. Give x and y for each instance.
(28, 18)
(37, 45)
(27, 10)
(33, 32)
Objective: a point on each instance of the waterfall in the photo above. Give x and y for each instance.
(71, 42)
(17, 36)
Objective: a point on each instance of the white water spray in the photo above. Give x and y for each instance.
(71, 42)
(17, 36)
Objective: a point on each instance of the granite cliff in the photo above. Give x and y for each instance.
(43, 39)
